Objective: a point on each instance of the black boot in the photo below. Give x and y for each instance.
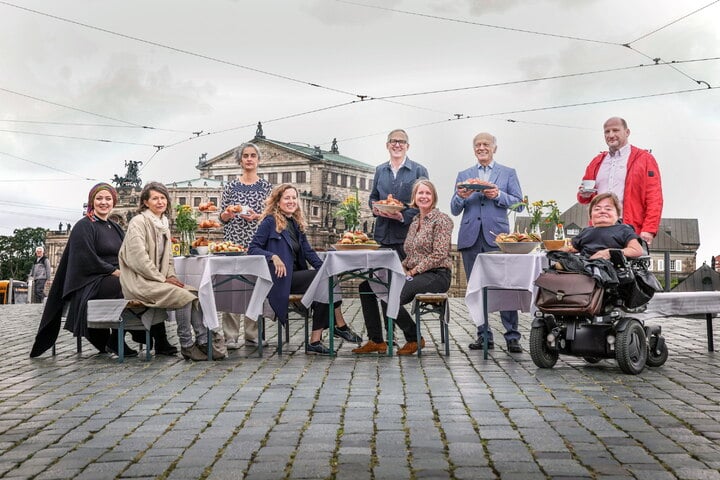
(112, 345)
(158, 335)
(99, 338)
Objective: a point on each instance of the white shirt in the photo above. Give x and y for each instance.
(396, 170)
(612, 172)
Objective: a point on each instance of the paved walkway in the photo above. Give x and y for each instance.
(296, 416)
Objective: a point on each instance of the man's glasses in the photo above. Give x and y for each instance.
(397, 141)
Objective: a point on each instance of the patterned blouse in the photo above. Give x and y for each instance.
(428, 243)
(238, 230)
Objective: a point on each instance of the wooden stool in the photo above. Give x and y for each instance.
(433, 303)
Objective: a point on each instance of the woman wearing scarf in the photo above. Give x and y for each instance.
(147, 272)
(88, 270)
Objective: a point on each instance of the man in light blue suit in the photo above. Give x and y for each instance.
(484, 215)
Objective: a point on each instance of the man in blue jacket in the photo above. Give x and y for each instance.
(395, 177)
(484, 215)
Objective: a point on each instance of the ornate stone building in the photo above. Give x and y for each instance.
(323, 178)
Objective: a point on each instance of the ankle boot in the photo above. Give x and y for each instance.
(158, 334)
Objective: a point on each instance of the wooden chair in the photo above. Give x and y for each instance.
(433, 303)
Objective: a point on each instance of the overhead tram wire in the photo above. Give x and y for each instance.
(479, 24)
(531, 110)
(99, 115)
(656, 59)
(249, 125)
(47, 166)
(70, 137)
(182, 51)
(673, 22)
(77, 124)
(540, 79)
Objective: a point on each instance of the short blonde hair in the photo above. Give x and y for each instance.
(427, 183)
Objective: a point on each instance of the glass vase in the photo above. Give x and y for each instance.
(186, 240)
(535, 230)
(559, 232)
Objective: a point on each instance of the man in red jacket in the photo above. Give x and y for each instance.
(630, 173)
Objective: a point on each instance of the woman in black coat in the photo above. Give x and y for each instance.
(89, 270)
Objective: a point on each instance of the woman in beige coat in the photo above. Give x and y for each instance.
(147, 272)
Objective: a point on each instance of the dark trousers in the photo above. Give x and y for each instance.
(432, 281)
(38, 290)
(301, 280)
(509, 318)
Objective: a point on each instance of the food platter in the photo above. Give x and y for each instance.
(388, 208)
(518, 247)
(356, 246)
(475, 186)
(551, 245)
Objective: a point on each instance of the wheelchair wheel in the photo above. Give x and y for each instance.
(542, 355)
(592, 360)
(631, 351)
(656, 359)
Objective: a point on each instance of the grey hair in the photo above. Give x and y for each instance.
(239, 150)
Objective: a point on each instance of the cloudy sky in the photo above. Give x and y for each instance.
(87, 85)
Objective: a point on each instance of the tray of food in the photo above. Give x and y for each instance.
(518, 243)
(389, 205)
(226, 248)
(356, 241)
(474, 184)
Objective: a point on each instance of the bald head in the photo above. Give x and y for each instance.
(616, 133)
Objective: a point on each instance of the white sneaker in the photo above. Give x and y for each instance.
(254, 342)
(233, 345)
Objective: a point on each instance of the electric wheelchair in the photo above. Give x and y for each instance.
(581, 317)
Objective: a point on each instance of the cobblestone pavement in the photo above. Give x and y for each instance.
(296, 416)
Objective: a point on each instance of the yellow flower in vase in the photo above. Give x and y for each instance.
(349, 212)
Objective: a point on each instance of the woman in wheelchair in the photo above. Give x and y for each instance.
(606, 233)
(582, 298)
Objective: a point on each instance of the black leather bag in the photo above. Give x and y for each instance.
(568, 293)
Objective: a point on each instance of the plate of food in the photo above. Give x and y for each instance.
(389, 205)
(208, 224)
(356, 246)
(226, 248)
(355, 240)
(518, 247)
(239, 209)
(474, 186)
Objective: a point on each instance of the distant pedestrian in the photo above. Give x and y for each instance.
(40, 273)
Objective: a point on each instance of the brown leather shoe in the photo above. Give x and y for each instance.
(410, 347)
(371, 347)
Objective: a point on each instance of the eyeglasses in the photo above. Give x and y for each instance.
(397, 141)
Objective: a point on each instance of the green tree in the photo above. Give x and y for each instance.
(17, 251)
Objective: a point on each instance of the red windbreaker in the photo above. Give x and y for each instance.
(643, 199)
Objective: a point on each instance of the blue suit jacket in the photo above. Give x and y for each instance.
(268, 242)
(481, 215)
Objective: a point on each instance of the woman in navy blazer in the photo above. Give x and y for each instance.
(281, 238)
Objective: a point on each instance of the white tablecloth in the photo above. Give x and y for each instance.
(106, 313)
(234, 296)
(516, 273)
(670, 304)
(337, 262)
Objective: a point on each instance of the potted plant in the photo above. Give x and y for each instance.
(186, 225)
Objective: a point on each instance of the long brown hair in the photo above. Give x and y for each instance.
(272, 208)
